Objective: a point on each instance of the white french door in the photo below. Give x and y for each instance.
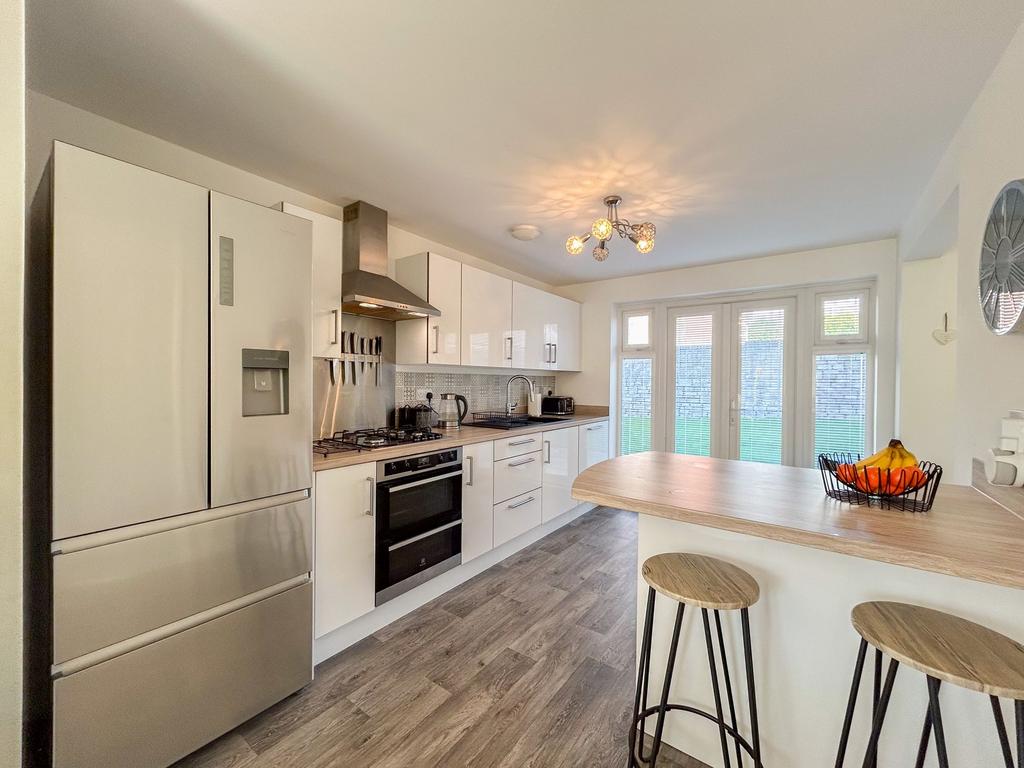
(731, 378)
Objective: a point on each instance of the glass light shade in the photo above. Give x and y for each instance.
(645, 231)
(368, 305)
(645, 246)
(574, 245)
(600, 253)
(602, 229)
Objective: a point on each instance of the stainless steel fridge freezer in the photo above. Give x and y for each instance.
(181, 519)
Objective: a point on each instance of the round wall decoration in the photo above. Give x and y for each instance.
(1001, 270)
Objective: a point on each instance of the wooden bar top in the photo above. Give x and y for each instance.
(965, 533)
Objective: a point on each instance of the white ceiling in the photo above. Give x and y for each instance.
(738, 127)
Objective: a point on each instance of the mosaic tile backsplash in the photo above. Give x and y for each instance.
(484, 391)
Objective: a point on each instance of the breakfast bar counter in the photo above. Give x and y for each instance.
(815, 559)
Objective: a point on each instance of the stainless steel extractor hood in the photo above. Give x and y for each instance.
(365, 285)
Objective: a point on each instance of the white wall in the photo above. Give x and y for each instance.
(12, 227)
(877, 259)
(49, 119)
(987, 152)
(928, 369)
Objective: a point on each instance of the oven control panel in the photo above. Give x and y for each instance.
(415, 464)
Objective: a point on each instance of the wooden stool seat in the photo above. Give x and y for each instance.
(944, 647)
(706, 582)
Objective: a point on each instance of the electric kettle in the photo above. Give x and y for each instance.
(451, 411)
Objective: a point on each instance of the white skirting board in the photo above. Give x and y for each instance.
(337, 641)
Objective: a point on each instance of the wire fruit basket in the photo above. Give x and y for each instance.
(856, 485)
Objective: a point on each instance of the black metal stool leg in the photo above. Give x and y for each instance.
(663, 708)
(642, 676)
(714, 687)
(748, 659)
(728, 686)
(1018, 713)
(871, 756)
(1004, 741)
(876, 693)
(936, 713)
(926, 737)
(858, 671)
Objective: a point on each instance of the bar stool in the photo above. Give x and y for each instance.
(945, 648)
(711, 585)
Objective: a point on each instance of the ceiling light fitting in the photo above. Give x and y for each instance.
(525, 232)
(641, 235)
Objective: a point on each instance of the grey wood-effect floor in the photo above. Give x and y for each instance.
(531, 663)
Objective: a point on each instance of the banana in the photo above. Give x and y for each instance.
(893, 456)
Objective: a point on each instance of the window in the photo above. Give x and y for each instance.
(636, 411)
(840, 402)
(842, 317)
(694, 382)
(760, 384)
(636, 330)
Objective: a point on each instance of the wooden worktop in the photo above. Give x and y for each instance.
(467, 435)
(965, 534)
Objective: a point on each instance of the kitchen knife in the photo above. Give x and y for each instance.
(362, 353)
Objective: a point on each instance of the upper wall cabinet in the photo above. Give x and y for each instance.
(486, 318)
(435, 340)
(545, 330)
(326, 279)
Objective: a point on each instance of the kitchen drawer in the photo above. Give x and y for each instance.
(517, 516)
(115, 591)
(517, 445)
(516, 476)
(154, 705)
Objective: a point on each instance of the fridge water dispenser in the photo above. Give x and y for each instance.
(264, 382)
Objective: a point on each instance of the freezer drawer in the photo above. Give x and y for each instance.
(152, 706)
(516, 476)
(109, 593)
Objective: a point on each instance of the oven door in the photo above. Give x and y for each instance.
(411, 506)
(412, 562)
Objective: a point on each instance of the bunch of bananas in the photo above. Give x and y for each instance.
(892, 471)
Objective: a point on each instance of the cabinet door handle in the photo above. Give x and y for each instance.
(554, 353)
(521, 442)
(334, 326)
(508, 339)
(595, 428)
(469, 472)
(547, 449)
(520, 463)
(520, 503)
(437, 339)
(371, 483)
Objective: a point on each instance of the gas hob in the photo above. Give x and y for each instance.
(370, 439)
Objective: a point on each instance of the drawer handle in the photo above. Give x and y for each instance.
(520, 463)
(521, 442)
(520, 503)
(594, 429)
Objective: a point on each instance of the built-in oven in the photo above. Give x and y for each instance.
(418, 520)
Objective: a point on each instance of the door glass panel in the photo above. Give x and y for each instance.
(840, 402)
(693, 385)
(636, 405)
(760, 384)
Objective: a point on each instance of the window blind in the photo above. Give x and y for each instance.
(840, 402)
(762, 335)
(841, 316)
(693, 384)
(635, 405)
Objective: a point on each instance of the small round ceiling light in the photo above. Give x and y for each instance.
(525, 232)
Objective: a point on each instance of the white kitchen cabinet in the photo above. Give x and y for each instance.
(432, 340)
(516, 476)
(562, 333)
(486, 318)
(343, 565)
(326, 294)
(516, 445)
(477, 500)
(516, 516)
(561, 463)
(593, 444)
(531, 315)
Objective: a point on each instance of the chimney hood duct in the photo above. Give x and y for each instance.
(364, 262)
